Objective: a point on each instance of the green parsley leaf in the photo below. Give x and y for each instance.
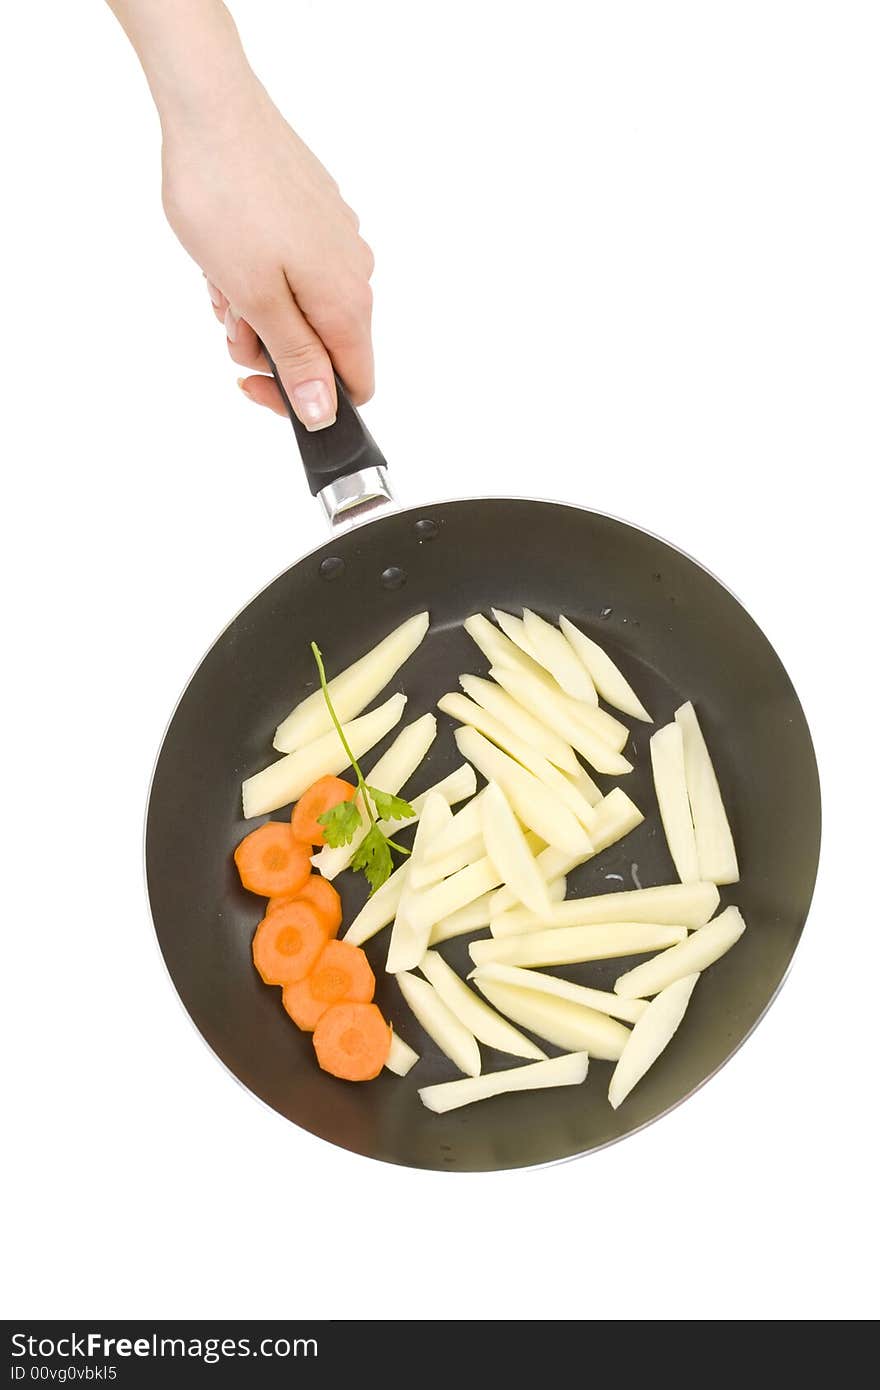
(340, 823)
(390, 807)
(373, 858)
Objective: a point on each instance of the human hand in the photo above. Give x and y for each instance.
(279, 247)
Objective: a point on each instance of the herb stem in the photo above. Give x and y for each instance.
(362, 786)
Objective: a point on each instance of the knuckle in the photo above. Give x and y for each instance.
(294, 357)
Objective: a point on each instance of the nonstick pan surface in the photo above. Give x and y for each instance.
(676, 632)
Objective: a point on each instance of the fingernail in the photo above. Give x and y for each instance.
(241, 383)
(313, 404)
(216, 296)
(230, 323)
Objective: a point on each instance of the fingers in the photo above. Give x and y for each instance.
(244, 346)
(262, 390)
(300, 358)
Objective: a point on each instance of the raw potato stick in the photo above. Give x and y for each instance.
(599, 754)
(673, 904)
(378, 910)
(430, 871)
(508, 850)
(497, 702)
(667, 764)
(401, 1059)
(570, 1070)
(550, 702)
(458, 786)
(715, 849)
(286, 780)
(558, 1021)
(614, 688)
(555, 654)
(616, 816)
(433, 904)
(629, 1010)
(389, 774)
(476, 915)
(466, 712)
(585, 785)
(454, 1040)
(409, 940)
(353, 689)
(514, 630)
(572, 945)
(497, 647)
(649, 1037)
(464, 826)
(532, 802)
(486, 1025)
(701, 950)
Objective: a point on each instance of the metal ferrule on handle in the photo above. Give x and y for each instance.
(344, 466)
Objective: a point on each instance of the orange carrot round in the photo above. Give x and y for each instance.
(288, 942)
(321, 795)
(323, 898)
(341, 973)
(352, 1041)
(271, 862)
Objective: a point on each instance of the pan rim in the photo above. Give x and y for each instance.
(607, 1143)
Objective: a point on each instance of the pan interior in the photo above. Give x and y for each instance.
(677, 634)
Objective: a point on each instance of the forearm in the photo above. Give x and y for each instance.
(190, 52)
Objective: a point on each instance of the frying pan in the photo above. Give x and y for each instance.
(676, 632)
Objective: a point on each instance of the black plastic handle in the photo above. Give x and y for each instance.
(341, 449)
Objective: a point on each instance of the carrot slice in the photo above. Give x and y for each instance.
(321, 795)
(323, 898)
(341, 973)
(270, 861)
(352, 1041)
(288, 942)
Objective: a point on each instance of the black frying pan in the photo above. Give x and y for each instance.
(676, 632)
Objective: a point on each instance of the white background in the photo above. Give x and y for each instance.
(626, 254)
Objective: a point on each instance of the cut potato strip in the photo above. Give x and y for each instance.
(649, 1037)
(715, 848)
(616, 816)
(432, 871)
(534, 804)
(508, 850)
(286, 780)
(458, 786)
(590, 744)
(449, 1033)
(614, 688)
(497, 647)
(466, 712)
(401, 1058)
(515, 630)
(389, 774)
(570, 1070)
(476, 915)
(555, 654)
(667, 764)
(673, 904)
(432, 905)
(353, 689)
(585, 785)
(464, 826)
(487, 1026)
(558, 1021)
(549, 698)
(532, 731)
(408, 940)
(701, 950)
(572, 945)
(629, 1010)
(378, 910)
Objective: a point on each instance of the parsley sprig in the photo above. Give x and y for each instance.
(372, 857)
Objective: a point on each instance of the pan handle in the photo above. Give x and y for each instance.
(344, 466)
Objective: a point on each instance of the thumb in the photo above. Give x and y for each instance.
(303, 365)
